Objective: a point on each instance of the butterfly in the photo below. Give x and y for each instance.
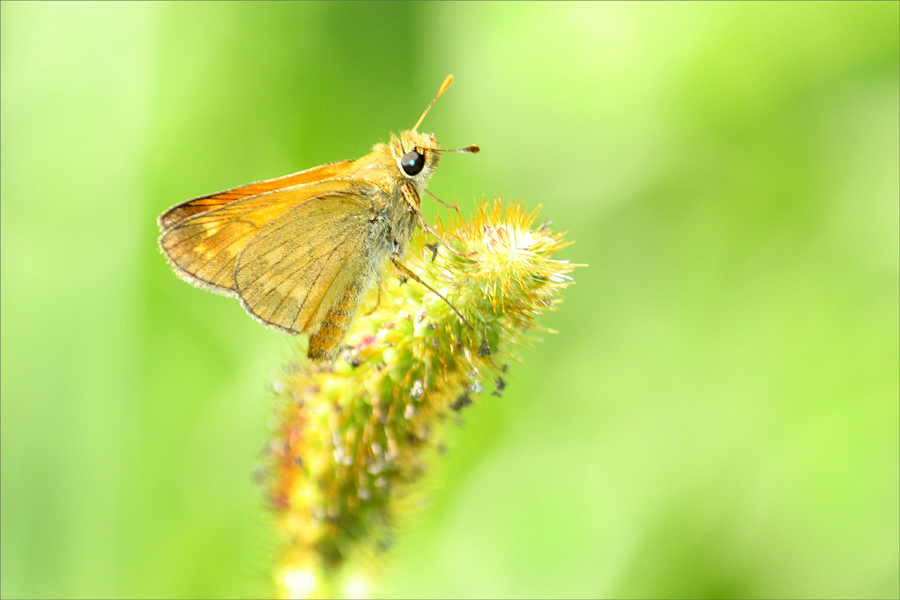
(300, 251)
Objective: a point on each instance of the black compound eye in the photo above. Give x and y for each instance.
(412, 163)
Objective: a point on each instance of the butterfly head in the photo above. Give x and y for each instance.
(416, 154)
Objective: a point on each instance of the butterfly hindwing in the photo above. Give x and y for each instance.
(300, 265)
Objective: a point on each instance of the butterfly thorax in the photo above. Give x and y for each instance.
(395, 195)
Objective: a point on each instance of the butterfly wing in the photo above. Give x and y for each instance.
(303, 264)
(203, 245)
(182, 211)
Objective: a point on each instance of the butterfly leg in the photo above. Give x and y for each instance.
(447, 204)
(434, 232)
(412, 200)
(407, 273)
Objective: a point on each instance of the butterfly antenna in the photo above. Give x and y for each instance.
(444, 87)
(473, 149)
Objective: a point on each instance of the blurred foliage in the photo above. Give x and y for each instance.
(718, 415)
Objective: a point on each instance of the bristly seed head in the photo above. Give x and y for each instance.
(364, 428)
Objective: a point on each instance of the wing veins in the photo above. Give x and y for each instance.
(336, 272)
(286, 242)
(321, 265)
(219, 246)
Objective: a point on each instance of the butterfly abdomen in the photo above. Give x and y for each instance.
(326, 342)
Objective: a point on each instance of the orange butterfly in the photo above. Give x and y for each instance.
(300, 251)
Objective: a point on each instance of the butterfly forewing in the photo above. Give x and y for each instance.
(179, 213)
(300, 266)
(204, 247)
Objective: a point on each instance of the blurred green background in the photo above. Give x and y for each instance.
(718, 414)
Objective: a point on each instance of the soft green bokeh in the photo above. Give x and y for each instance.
(718, 415)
